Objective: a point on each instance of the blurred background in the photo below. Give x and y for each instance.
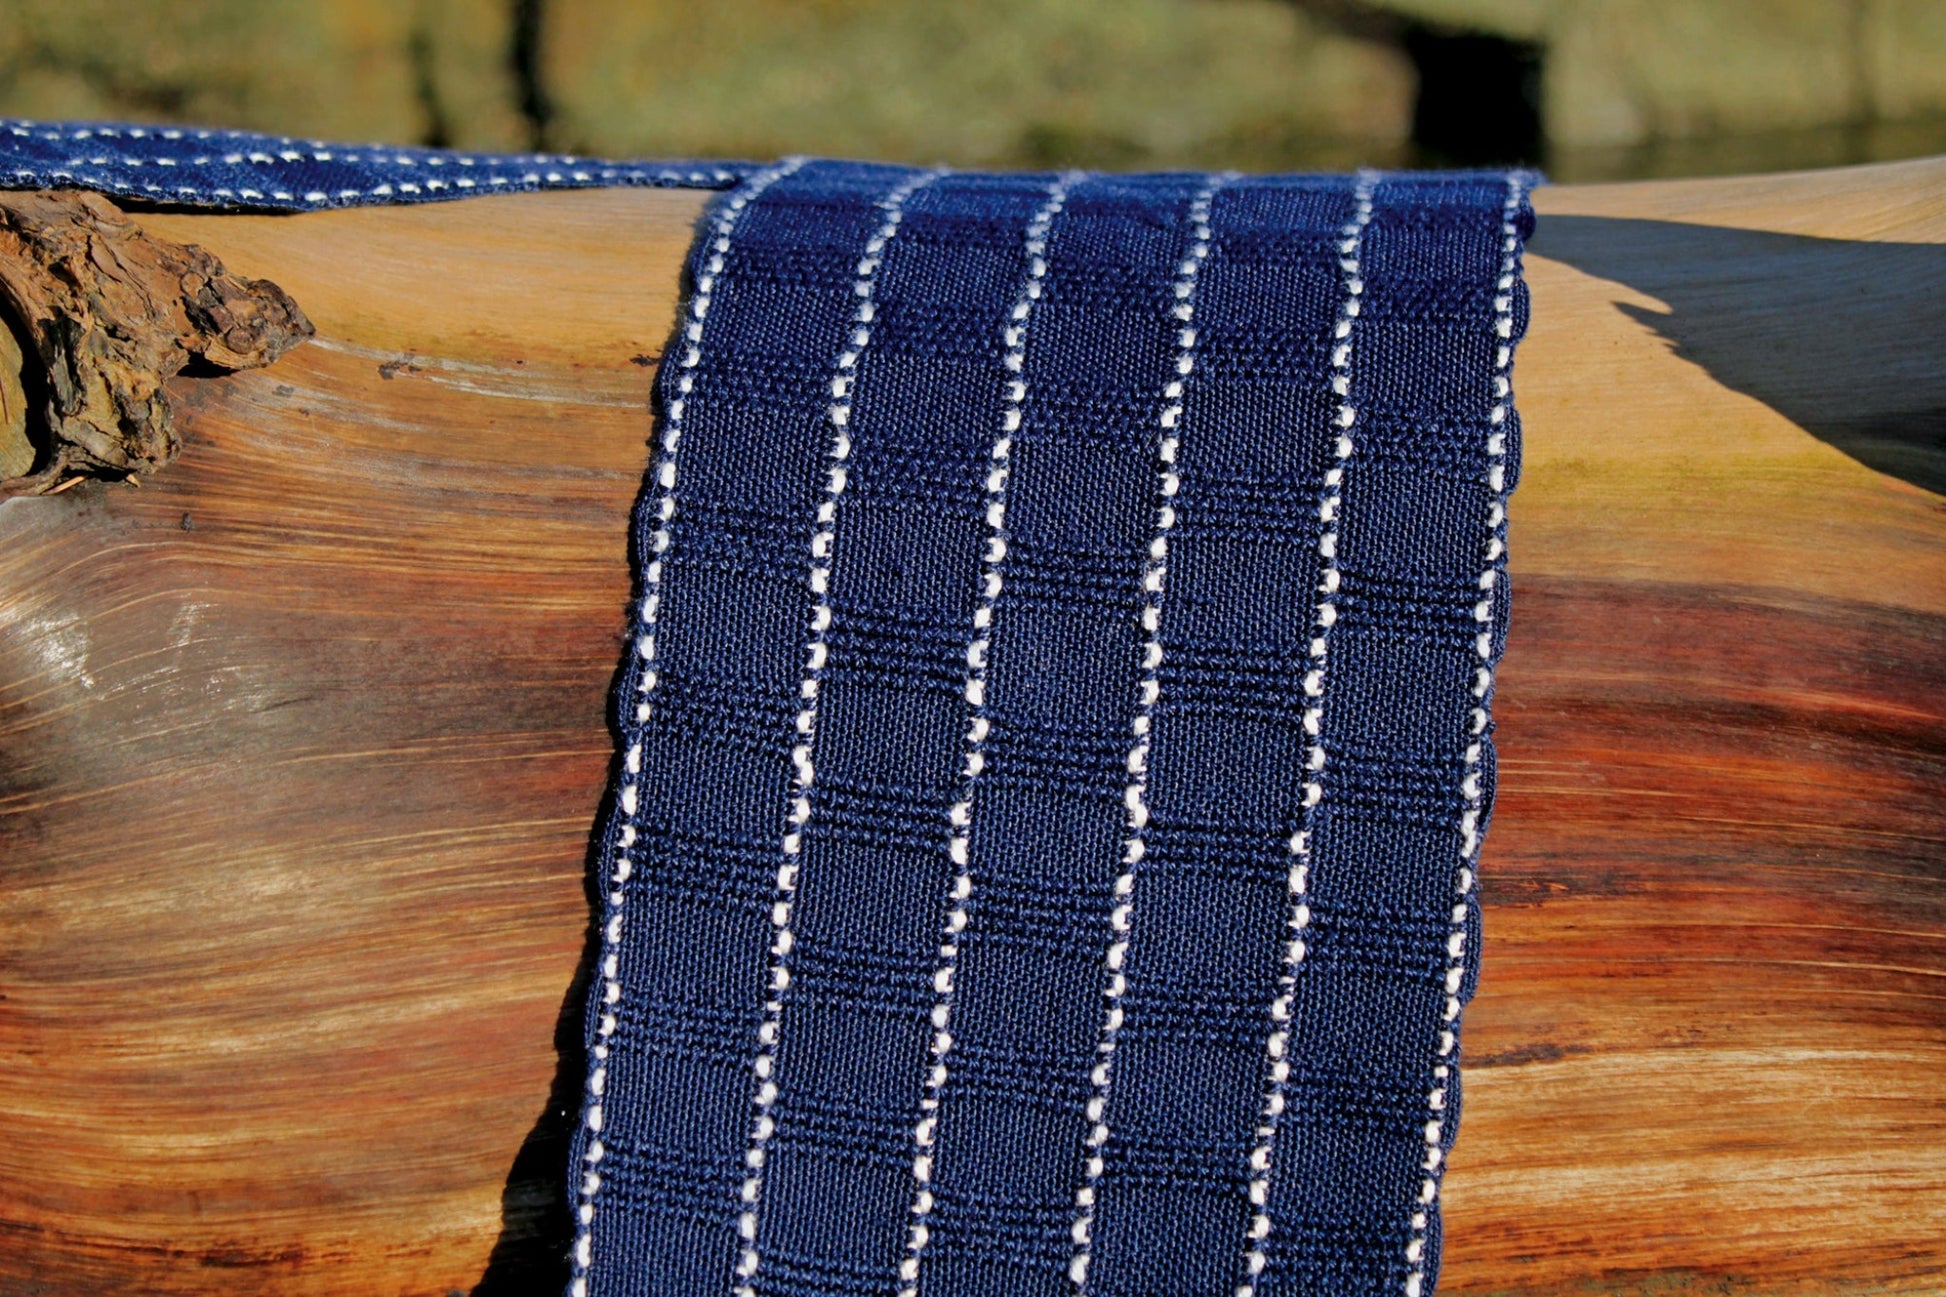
(1589, 89)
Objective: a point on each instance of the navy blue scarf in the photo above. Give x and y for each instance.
(1055, 742)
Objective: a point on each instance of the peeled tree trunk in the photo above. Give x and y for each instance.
(301, 747)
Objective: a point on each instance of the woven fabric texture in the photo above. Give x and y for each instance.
(1056, 743)
(1055, 740)
(183, 166)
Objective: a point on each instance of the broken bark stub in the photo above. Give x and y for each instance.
(104, 316)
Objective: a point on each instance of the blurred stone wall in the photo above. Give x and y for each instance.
(1110, 82)
(397, 70)
(1628, 72)
(1255, 83)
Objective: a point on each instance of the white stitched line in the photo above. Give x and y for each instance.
(665, 481)
(1014, 357)
(1496, 519)
(322, 153)
(387, 190)
(823, 542)
(1277, 1047)
(1134, 793)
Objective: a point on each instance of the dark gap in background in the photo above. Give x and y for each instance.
(526, 58)
(438, 128)
(1479, 101)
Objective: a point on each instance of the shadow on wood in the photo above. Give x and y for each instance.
(530, 1255)
(1813, 322)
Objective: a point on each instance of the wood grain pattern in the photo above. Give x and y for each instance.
(300, 749)
(1707, 1048)
(301, 744)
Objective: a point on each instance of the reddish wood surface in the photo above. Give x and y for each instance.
(301, 744)
(1707, 1052)
(300, 748)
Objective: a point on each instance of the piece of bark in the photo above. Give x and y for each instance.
(16, 448)
(104, 315)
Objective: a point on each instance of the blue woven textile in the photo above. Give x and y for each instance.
(1055, 740)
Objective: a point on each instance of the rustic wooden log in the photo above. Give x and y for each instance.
(301, 745)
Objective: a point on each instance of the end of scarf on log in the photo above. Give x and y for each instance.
(99, 317)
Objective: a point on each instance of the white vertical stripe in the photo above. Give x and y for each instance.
(1277, 1047)
(804, 770)
(686, 355)
(1135, 792)
(973, 755)
(1495, 548)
